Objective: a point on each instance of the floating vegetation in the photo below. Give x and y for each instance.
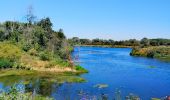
(151, 66)
(132, 97)
(155, 99)
(100, 86)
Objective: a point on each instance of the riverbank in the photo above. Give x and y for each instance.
(158, 52)
(13, 57)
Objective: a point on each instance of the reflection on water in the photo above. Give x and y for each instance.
(37, 85)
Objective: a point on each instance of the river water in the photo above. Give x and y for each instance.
(111, 70)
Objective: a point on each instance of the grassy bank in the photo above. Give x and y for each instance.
(36, 47)
(159, 52)
(31, 74)
(13, 57)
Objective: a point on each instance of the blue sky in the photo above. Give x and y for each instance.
(106, 19)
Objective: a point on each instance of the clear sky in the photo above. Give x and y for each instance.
(106, 19)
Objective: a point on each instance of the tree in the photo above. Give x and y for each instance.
(47, 26)
(145, 42)
(61, 34)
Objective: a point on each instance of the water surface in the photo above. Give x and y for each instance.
(113, 67)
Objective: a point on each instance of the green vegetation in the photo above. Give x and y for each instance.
(81, 69)
(122, 43)
(35, 46)
(152, 66)
(31, 75)
(5, 63)
(104, 43)
(153, 48)
(100, 86)
(15, 94)
(159, 52)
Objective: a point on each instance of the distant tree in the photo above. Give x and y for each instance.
(76, 39)
(145, 42)
(85, 41)
(61, 34)
(133, 42)
(41, 39)
(96, 41)
(111, 41)
(46, 24)
(2, 35)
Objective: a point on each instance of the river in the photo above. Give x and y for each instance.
(116, 70)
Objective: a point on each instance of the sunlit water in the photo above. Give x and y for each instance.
(114, 67)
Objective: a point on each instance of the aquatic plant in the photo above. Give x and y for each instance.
(151, 66)
(132, 97)
(100, 86)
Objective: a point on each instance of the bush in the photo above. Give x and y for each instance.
(33, 52)
(9, 51)
(4, 63)
(26, 47)
(150, 54)
(44, 56)
(80, 69)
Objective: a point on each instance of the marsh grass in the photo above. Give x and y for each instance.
(50, 76)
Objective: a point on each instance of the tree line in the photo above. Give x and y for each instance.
(39, 36)
(130, 42)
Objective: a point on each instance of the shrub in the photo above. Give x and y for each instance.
(33, 52)
(150, 54)
(4, 63)
(81, 69)
(26, 47)
(44, 56)
(9, 51)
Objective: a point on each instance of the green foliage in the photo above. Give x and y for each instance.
(16, 93)
(111, 43)
(40, 36)
(26, 47)
(160, 52)
(4, 63)
(46, 25)
(60, 34)
(2, 35)
(9, 51)
(155, 99)
(132, 97)
(145, 42)
(45, 56)
(33, 52)
(151, 66)
(80, 69)
(31, 45)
